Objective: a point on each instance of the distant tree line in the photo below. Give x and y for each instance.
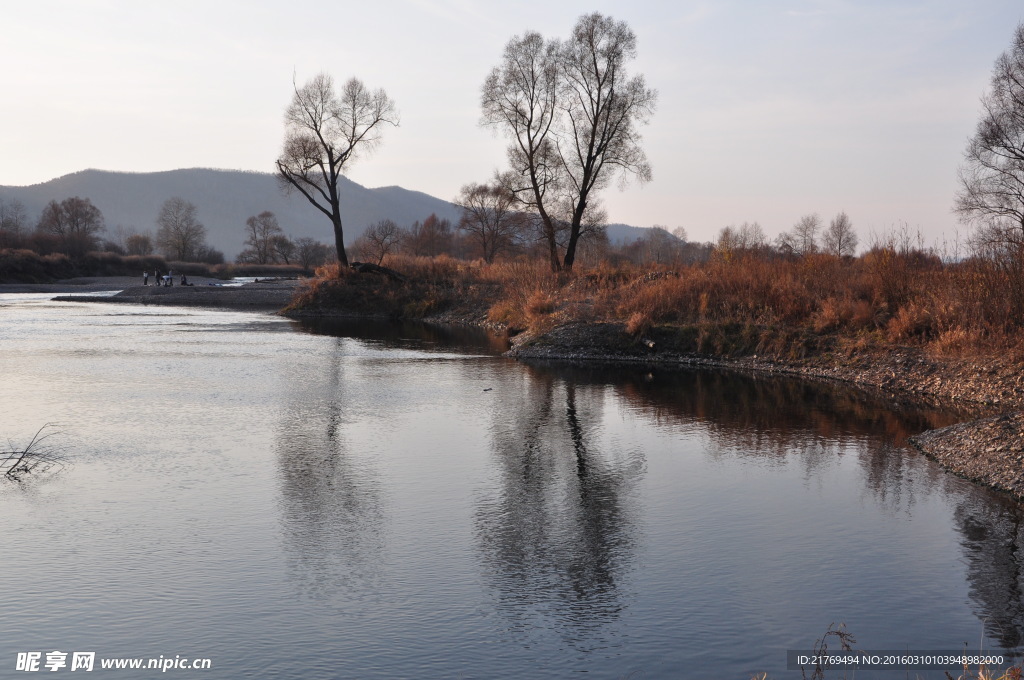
(75, 227)
(491, 230)
(266, 243)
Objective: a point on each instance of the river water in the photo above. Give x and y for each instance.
(376, 501)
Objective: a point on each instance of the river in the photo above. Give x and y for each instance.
(364, 500)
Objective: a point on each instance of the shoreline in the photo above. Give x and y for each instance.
(987, 451)
(269, 295)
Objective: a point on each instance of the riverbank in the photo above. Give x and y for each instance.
(264, 295)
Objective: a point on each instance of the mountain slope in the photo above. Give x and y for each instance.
(225, 199)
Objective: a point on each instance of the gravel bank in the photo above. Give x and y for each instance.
(265, 295)
(989, 451)
(899, 371)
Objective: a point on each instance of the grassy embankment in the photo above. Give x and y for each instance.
(742, 305)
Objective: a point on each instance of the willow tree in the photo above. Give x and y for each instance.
(325, 131)
(573, 114)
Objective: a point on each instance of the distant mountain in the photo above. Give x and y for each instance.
(225, 199)
(620, 234)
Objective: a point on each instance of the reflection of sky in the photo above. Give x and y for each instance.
(279, 500)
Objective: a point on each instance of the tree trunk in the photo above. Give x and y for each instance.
(339, 240)
(574, 235)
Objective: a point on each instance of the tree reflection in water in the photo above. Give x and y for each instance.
(992, 540)
(332, 510)
(560, 533)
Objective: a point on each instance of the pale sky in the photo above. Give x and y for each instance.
(767, 110)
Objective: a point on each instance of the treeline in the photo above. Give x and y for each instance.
(70, 238)
(74, 227)
(492, 231)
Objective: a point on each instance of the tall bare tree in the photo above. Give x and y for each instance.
(573, 114)
(603, 107)
(520, 98)
(992, 177)
(180, 234)
(75, 222)
(991, 195)
(324, 132)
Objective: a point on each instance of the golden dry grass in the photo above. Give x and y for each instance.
(739, 305)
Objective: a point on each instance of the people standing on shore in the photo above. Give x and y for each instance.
(145, 278)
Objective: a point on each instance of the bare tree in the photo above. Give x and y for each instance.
(282, 249)
(76, 224)
(572, 113)
(311, 253)
(488, 216)
(381, 238)
(260, 231)
(519, 98)
(138, 244)
(840, 239)
(991, 195)
(604, 107)
(658, 246)
(429, 238)
(750, 236)
(324, 132)
(180, 234)
(992, 177)
(803, 238)
(13, 223)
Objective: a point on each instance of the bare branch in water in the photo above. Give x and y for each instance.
(37, 456)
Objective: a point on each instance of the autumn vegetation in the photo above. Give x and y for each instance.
(715, 299)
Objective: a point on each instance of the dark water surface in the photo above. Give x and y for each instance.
(386, 502)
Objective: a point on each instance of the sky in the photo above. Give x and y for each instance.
(767, 111)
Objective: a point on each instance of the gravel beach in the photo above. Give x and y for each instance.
(270, 294)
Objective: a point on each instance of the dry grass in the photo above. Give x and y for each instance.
(775, 306)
